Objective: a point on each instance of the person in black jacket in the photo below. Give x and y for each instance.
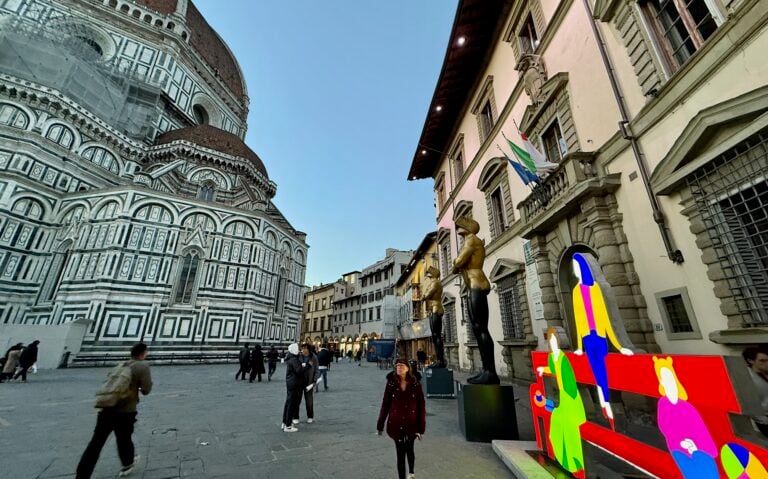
(245, 362)
(324, 360)
(257, 363)
(272, 357)
(294, 383)
(311, 373)
(27, 359)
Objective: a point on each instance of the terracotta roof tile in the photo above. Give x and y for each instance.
(218, 140)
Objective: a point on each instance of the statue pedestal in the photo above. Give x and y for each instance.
(487, 412)
(439, 383)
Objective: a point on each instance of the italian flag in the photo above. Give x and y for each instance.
(532, 158)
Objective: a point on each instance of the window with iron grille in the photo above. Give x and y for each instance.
(467, 321)
(449, 322)
(731, 195)
(509, 301)
(681, 26)
(678, 317)
(445, 258)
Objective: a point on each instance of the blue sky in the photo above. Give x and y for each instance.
(339, 90)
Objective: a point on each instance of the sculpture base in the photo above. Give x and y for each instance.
(487, 412)
(440, 383)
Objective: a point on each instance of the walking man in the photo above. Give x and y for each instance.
(122, 391)
(26, 360)
(294, 383)
(324, 359)
(257, 363)
(245, 362)
(272, 357)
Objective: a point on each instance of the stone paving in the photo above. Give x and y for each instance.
(200, 423)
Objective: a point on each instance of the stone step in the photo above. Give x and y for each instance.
(515, 455)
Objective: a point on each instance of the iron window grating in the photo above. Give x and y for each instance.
(678, 316)
(731, 194)
(509, 303)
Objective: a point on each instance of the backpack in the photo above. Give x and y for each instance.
(117, 386)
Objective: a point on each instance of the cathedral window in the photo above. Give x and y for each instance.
(207, 191)
(62, 135)
(190, 264)
(103, 158)
(282, 283)
(13, 116)
(201, 115)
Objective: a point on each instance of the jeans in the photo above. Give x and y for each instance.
(404, 448)
(272, 368)
(324, 375)
(107, 421)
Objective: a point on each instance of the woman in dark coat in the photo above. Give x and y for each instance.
(26, 360)
(404, 405)
(257, 362)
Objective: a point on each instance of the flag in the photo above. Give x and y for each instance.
(542, 165)
(523, 156)
(524, 174)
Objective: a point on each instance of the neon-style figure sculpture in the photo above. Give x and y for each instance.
(739, 463)
(688, 439)
(568, 415)
(593, 329)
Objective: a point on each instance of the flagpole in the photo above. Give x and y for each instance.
(505, 155)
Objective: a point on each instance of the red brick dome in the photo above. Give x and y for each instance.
(215, 139)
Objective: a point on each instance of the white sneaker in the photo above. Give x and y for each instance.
(290, 429)
(310, 421)
(126, 470)
(411, 476)
(295, 421)
(282, 426)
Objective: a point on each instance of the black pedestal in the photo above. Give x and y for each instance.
(439, 383)
(487, 412)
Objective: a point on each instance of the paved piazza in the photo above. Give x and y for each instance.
(198, 422)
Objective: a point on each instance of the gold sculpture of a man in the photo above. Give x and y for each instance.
(433, 294)
(470, 264)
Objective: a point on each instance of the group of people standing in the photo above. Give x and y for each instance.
(18, 360)
(252, 361)
(302, 371)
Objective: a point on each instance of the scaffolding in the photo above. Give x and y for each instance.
(67, 57)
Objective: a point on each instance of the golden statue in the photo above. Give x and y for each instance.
(470, 264)
(433, 294)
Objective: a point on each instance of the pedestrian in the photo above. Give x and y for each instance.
(294, 384)
(422, 357)
(244, 358)
(404, 409)
(11, 362)
(757, 362)
(349, 356)
(257, 363)
(272, 357)
(310, 365)
(117, 400)
(26, 360)
(359, 356)
(324, 359)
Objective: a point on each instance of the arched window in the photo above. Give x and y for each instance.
(190, 264)
(207, 191)
(62, 135)
(28, 208)
(201, 115)
(103, 158)
(13, 116)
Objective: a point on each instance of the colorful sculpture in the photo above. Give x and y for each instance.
(739, 463)
(568, 415)
(593, 329)
(688, 439)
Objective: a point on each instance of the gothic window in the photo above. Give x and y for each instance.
(207, 191)
(681, 26)
(13, 116)
(280, 296)
(185, 285)
(102, 158)
(554, 143)
(62, 135)
(494, 182)
(509, 303)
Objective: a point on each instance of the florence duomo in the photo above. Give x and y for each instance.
(130, 207)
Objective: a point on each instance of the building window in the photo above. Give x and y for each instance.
(13, 116)
(324, 303)
(509, 302)
(207, 191)
(467, 321)
(445, 258)
(555, 147)
(731, 196)
(528, 38)
(485, 120)
(440, 194)
(449, 322)
(681, 26)
(314, 325)
(317, 304)
(378, 312)
(497, 212)
(201, 115)
(458, 166)
(677, 314)
(185, 286)
(62, 135)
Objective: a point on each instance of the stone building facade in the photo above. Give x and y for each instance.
(656, 115)
(130, 207)
(317, 326)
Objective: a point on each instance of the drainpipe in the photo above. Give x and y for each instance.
(674, 255)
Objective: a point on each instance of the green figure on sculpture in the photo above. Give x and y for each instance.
(568, 415)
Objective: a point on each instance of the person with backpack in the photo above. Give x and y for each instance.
(245, 362)
(117, 399)
(272, 357)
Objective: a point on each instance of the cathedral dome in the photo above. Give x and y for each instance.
(215, 139)
(207, 43)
